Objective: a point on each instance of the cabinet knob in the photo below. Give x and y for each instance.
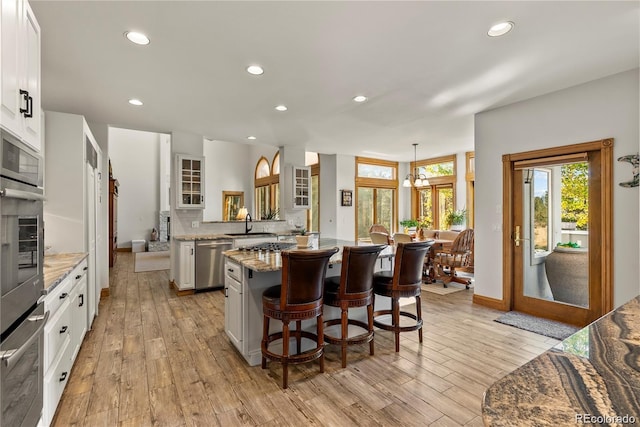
(85, 268)
(63, 329)
(64, 295)
(78, 276)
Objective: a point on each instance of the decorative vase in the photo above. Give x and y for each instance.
(568, 275)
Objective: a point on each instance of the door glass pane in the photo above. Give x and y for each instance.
(445, 204)
(384, 207)
(425, 207)
(314, 220)
(262, 201)
(555, 254)
(365, 211)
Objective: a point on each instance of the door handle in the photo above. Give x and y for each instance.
(13, 355)
(516, 236)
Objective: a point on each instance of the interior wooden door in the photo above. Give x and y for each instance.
(530, 256)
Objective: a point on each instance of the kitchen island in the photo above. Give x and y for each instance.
(592, 377)
(249, 272)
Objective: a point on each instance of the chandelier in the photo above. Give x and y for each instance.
(416, 179)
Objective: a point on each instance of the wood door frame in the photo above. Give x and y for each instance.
(605, 147)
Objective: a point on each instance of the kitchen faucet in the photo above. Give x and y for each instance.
(247, 220)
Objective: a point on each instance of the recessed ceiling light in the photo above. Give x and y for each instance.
(256, 70)
(134, 101)
(500, 29)
(137, 38)
(360, 98)
(251, 137)
(281, 107)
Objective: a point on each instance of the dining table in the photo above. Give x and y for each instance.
(431, 273)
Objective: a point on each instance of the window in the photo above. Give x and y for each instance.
(313, 214)
(376, 195)
(267, 188)
(541, 206)
(435, 200)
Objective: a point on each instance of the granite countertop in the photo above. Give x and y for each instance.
(188, 237)
(57, 267)
(594, 373)
(264, 261)
(218, 236)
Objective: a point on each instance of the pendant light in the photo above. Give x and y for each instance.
(416, 179)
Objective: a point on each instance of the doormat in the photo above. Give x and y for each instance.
(438, 288)
(151, 261)
(546, 327)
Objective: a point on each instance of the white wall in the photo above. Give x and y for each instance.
(135, 161)
(595, 110)
(345, 179)
(228, 167)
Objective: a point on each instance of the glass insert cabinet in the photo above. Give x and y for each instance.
(190, 188)
(301, 187)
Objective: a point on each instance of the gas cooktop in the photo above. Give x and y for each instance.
(268, 246)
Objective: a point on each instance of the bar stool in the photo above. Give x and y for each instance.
(403, 282)
(353, 288)
(298, 298)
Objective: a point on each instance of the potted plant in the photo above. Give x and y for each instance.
(455, 219)
(409, 225)
(302, 239)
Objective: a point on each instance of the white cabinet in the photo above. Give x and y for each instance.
(20, 72)
(233, 303)
(190, 185)
(63, 335)
(301, 187)
(186, 276)
(72, 212)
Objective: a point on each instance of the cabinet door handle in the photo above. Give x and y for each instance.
(63, 329)
(63, 376)
(29, 107)
(78, 276)
(191, 251)
(225, 293)
(64, 295)
(81, 300)
(25, 96)
(230, 270)
(85, 268)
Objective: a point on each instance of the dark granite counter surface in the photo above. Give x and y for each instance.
(592, 377)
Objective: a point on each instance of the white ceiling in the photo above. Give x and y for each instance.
(426, 67)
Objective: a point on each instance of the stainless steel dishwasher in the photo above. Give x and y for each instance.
(210, 263)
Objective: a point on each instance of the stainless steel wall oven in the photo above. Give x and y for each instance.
(22, 316)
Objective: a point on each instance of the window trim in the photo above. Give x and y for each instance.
(434, 183)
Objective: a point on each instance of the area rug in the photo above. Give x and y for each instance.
(438, 288)
(151, 261)
(548, 328)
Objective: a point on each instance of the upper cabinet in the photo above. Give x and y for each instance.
(20, 72)
(301, 187)
(190, 186)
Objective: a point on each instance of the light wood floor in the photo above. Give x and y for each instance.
(153, 358)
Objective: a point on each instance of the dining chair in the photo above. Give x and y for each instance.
(404, 282)
(352, 289)
(454, 257)
(402, 238)
(299, 297)
(379, 238)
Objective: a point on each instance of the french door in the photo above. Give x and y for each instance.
(556, 269)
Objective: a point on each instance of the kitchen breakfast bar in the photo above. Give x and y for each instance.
(249, 272)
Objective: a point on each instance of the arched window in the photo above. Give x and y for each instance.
(267, 188)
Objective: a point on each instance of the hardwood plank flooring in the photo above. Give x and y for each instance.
(155, 359)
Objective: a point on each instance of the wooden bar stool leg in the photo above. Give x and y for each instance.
(419, 315)
(265, 339)
(320, 332)
(370, 322)
(344, 335)
(285, 354)
(299, 336)
(395, 320)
